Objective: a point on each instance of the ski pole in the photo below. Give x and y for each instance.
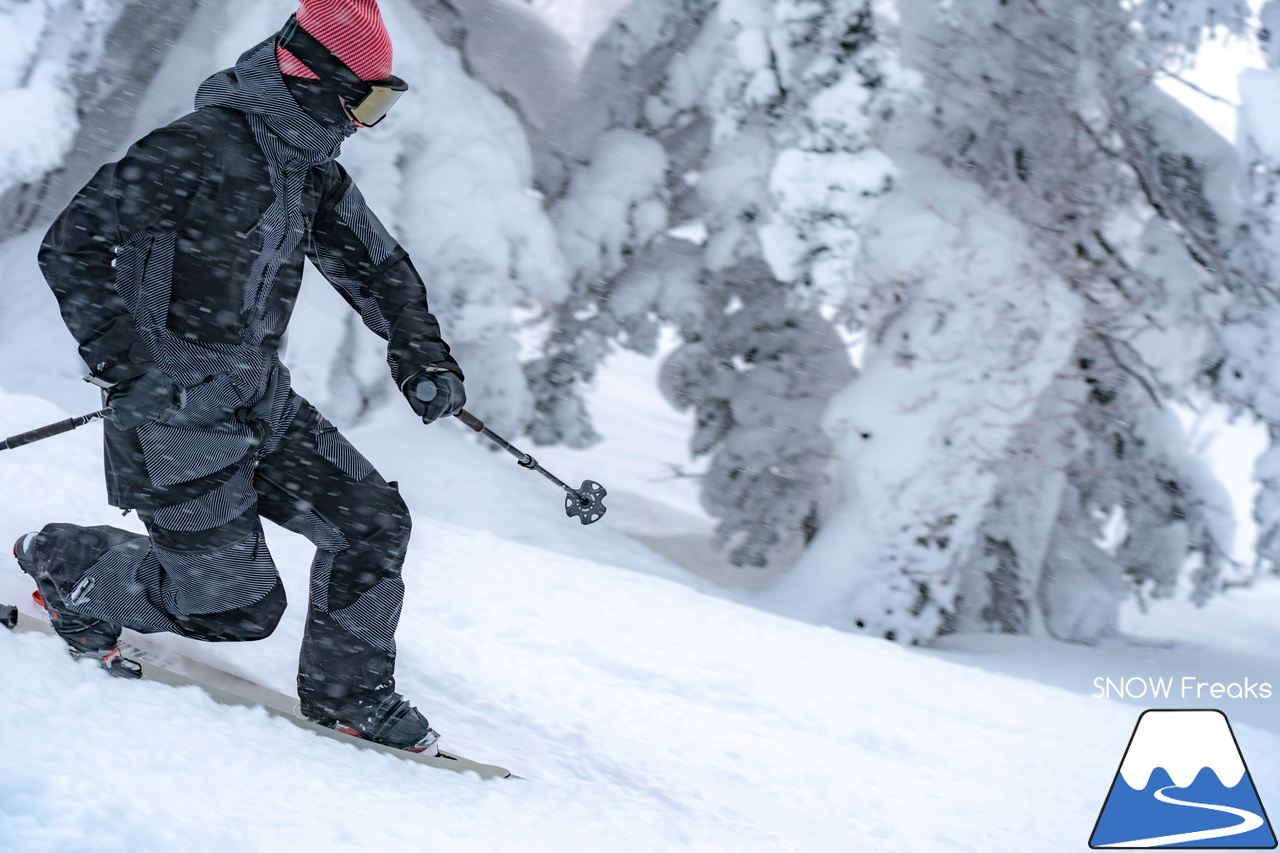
(51, 430)
(586, 503)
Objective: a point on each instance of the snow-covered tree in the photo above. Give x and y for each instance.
(1241, 370)
(1031, 472)
(716, 175)
(508, 47)
(70, 78)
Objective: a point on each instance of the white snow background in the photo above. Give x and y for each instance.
(648, 709)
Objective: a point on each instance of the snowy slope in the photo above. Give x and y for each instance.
(646, 715)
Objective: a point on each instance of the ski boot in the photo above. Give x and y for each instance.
(392, 722)
(85, 636)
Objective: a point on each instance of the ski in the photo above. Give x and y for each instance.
(167, 667)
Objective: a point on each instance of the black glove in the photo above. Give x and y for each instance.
(434, 393)
(153, 396)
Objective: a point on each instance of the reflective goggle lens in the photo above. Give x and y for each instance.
(382, 96)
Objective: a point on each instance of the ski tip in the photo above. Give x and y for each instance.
(8, 616)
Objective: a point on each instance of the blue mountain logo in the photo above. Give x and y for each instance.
(1183, 783)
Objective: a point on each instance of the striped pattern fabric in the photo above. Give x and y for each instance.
(330, 263)
(277, 407)
(120, 576)
(216, 581)
(188, 583)
(210, 511)
(373, 616)
(205, 571)
(329, 542)
(174, 454)
(292, 143)
(352, 30)
(334, 446)
(206, 436)
(356, 215)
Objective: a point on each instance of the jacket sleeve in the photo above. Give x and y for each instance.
(149, 190)
(375, 276)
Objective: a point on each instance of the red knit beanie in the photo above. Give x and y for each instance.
(351, 29)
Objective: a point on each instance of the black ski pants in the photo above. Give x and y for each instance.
(205, 572)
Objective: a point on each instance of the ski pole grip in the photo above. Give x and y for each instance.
(39, 434)
(470, 420)
(50, 431)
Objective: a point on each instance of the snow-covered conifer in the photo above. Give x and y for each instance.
(1016, 463)
(1241, 369)
(69, 78)
(716, 175)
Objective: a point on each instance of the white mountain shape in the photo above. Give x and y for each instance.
(1183, 743)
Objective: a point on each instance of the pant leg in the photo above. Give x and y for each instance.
(204, 571)
(317, 484)
(218, 581)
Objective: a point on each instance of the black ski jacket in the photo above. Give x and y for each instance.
(149, 265)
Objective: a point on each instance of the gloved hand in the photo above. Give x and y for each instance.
(434, 393)
(153, 396)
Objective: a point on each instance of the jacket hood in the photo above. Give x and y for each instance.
(254, 87)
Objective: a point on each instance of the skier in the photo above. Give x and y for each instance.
(176, 270)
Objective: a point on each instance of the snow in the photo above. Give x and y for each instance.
(646, 715)
(580, 23)
(1209, 84)
(822, 198)
(617, 205)
(35, 88)
(46, 132)
(927, 392)
(1261, 97)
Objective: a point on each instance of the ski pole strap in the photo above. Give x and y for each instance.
(51, 430)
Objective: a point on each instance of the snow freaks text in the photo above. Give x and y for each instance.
(1175, 687)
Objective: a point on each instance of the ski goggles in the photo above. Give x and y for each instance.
(367, 102)
(377, 101)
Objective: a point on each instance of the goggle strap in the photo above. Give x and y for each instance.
(323, 63)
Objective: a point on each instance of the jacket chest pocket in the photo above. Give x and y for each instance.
(210, 271)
